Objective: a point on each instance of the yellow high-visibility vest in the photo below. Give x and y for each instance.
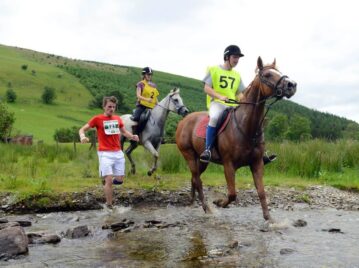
(149, 92)
(224, 82)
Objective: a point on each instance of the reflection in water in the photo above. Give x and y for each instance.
(186, 237)
(197, 249)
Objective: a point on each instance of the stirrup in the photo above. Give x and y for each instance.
(268, 159)
(205, 157)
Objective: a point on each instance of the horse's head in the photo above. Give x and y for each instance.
(176, 104)
(273, 83)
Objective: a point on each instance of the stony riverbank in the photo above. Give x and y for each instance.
(287, 198)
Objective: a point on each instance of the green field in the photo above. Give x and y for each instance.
(51, 169)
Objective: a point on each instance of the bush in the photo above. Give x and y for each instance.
(24, 67)
(67, 134)
(10, 95)
(49, 95)
(7, 119)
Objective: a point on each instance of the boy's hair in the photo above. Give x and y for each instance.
(106, 99)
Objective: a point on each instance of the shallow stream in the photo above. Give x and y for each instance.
(187, 237)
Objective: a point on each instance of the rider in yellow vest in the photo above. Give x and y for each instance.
(220, 84)
(146, 92)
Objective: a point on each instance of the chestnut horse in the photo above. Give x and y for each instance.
(241, 143)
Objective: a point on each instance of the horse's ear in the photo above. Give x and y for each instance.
(274, 62)
(260, 63)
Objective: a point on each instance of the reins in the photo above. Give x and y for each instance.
(268, 106)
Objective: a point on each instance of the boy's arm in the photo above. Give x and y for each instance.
(82, 131)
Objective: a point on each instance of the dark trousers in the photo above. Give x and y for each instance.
(137, 113)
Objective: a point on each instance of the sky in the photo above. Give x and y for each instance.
(315, 43)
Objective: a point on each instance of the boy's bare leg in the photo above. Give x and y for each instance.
(108, 189)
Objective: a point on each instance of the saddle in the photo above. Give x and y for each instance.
(200, 129)
(137, 129)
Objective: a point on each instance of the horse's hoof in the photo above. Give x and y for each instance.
(133, 171)
(218, 202)
(149, 173)
(221, 203)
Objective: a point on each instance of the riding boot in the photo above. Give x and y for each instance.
(134, 129)
(210, 136)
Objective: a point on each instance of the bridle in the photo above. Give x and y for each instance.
(277, 90)
(277, 94)
(178, 107)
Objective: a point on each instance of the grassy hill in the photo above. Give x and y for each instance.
(32, 116)
(77, 82)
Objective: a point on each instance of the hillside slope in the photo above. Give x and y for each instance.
(77, 83)
(28, 79)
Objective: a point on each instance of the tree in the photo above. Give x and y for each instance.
(299, 128)
(277, 127)
(352, 131)
(7, 119)
(49, 95)
(121, 106)
(10, 95)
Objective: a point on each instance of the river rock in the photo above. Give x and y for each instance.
(124, 224)
(233, 244)
(333, 230)
(9, 224)
(77, 232)
(13, 242)
(299, 223)
(285, 251)
(36, 238)
(24, 223)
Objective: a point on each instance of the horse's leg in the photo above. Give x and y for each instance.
(133, 145)
(122, 141)
(257, 172)
(229, 173)
(197, 168)
(201, 167)
(148, 145)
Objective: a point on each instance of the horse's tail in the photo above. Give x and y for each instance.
(126, 118)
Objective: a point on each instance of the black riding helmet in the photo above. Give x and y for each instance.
(232, 50)
(147, 70)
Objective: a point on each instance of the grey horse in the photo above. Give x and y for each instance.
(152, 134)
